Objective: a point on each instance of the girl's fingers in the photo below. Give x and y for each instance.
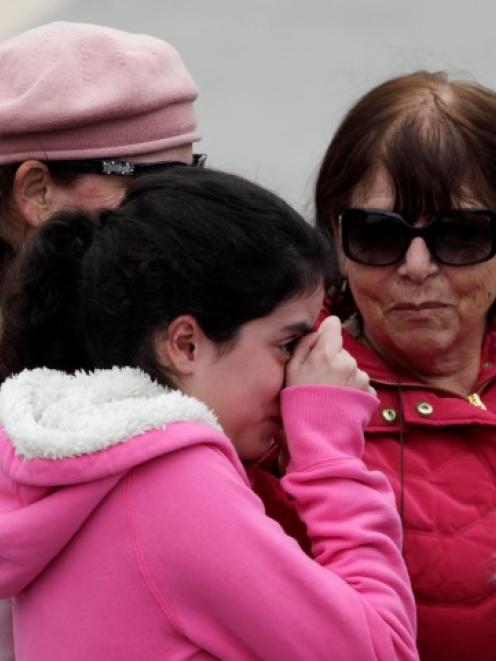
(330, 333)
(319, 358)
(302, 350)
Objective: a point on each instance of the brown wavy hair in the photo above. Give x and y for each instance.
(435, 137)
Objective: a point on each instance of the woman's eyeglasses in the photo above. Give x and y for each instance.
(113, 166)
(459, 237)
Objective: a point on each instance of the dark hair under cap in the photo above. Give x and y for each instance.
(89, 291)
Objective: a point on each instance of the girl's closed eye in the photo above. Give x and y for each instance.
(289, 346)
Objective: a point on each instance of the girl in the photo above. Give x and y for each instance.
(177, 333)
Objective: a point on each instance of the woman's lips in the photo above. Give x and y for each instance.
(418, 307)
(419, 313)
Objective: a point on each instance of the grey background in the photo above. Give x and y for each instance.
(276, 76)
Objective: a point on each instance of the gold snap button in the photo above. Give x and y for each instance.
(389, 415)
(487, 366)
(425, 409)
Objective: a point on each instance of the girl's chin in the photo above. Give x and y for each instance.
(257, 449)
(261, 438)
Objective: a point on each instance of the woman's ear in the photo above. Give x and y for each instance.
(33, 192)
(179, 347)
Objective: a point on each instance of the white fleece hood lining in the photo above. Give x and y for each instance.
(48, 414)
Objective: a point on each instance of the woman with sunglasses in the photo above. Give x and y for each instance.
(407, 195)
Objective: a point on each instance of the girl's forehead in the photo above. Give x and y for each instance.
(298, 313)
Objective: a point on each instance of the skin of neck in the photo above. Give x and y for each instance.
(454, 370)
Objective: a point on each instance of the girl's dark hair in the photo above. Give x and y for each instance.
(90, 291)
(434, 137)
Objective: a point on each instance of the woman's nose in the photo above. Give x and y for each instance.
(418, 263)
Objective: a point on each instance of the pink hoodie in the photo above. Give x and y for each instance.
(128, 529)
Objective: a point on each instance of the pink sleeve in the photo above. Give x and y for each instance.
(233, 583)
(355, 530)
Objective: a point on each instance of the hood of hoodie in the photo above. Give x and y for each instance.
(67, 440)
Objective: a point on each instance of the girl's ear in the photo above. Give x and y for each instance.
(178, 347)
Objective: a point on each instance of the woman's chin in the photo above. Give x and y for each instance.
(418, 348)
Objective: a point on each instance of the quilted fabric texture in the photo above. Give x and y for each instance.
(439, 452)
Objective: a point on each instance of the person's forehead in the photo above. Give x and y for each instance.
(378, 190)
(378, 185)
(299, 311)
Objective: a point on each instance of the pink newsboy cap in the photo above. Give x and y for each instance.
(75, 91)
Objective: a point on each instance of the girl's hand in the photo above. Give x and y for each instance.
(319, 358)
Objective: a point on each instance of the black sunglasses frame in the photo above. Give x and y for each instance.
(426, 232)
(115, 167)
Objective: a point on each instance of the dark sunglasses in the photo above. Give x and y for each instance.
(112, 166)
(459, 237)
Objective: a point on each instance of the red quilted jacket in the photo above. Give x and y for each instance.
(439, 452)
